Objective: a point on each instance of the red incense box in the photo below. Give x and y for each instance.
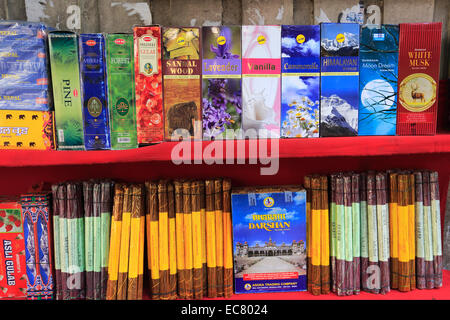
(418, 78)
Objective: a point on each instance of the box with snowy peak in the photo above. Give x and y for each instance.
(221, 73)
(182, 83)
(261, 85)
(378, 75)
(148, 75)
(339, 50)
(269, 239)
(13, 279)
(38, 246)
(418, 78)
(94, 88)
(300, 81)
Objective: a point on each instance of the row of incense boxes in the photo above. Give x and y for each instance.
(26, 251)
(385, 232)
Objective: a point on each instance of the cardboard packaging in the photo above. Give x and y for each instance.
(38, 246)
(121, 94)
(339, 79)
(182, 83)
(221, 84)
(148, 74)
(65, 70)
(27, 130)
(13, 278)
(94, 87)
(261, 83)
(418, 78)
(269, 239)
(24, 66)
(300, 81)
(378, 75)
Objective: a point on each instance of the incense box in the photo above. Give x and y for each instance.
(378, 64)
(148, 75)
(65, 72)
(418, 78)
(339, 79)
(269, 239)
(221, 84)
(13, 283)
(31, 130)
(261, 85)
(38, 245)
(121, 94)
(182, 83)
(94, 87)
(300, 81)
(24, 66)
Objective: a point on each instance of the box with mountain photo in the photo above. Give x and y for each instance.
(339, 79)
(269, 234)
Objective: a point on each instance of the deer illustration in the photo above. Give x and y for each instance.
(415, 94)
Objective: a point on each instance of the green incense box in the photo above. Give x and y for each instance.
(120, 69)
(65, 71)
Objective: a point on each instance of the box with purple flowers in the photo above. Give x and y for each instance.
(221, 68)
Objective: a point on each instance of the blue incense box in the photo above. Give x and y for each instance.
(378, 76)
(94, 88)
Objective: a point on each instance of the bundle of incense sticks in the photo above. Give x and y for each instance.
(316, 247)
(364, 232)
(106, 208)
(436, 230)
(420, 240)
(228, 240)
(307, 185)
(197, 240)
(203, 234)
(163, 231)
(356, 234)
(56, 243)
(211, 259)
(172, 243)
(179, 217)
(218, 206)
(325, 237)
(411, 233)
(333, 231)
(134, 287)
(393, 227)
(188, 243)
(404, 275)
(122, 281)
(89, 237)
(383, 233)
(428, 230)
(372, 235)
(152, 227)
(340, 236)
(348, 236)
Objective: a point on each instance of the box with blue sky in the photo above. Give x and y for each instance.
(269, 239)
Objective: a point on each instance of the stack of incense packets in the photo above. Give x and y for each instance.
(126, 259)
(189, 239)
(318, 234)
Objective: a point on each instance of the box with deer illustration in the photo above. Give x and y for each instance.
(182, 83)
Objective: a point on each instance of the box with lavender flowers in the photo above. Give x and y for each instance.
(300, 67)
(221, 66)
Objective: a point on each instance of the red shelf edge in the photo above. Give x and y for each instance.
(288, 148)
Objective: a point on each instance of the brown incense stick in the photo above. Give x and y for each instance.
(316, 279)
(141, 199)
(340, 236)
(152, 221)
(307, 185)
(106, 207)
(203, 231)
(364, 232)
(135, 232)
(122, 282)
(172, 243)
(325, 237)
(197, 240)
(211, 239)
(333, 231)
(97, 239)
(412, 233)
(436, 230)
(420, 247)
(404, 279)
(163, 240)
(393, 223)
(356, 236)
(188, 253)
(63, 232)
(116, 229)
(383, 233)
(179, 213)
(218, 206)
(428, 230)
(227, 240)
(57, 247)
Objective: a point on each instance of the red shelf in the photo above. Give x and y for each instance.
(288, 148)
